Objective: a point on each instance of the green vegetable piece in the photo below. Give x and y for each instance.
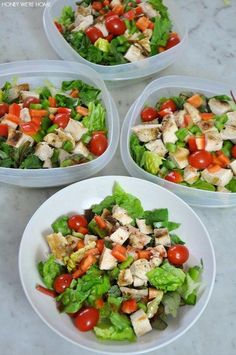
(102, 44)
(95, 121)
(36, 106)
(45, 93)
(49, 270)
(231, 186)
(52, 128)
(108, 203)
(67, 16)
(195, 130)
(169, 164)
(86, 138)
(142, 306)
(220, 121)
(46, 123)
(162, 28)
(226, 149)
(160, 7)
(151, 162)
(114, 273)
(159, 323)
(115, 302)
(181, 134)
(171, 147)
(94, 229)
(38, 137)
(31, 162)
(152, 306)
(188, 291)
(110, 332)
(158, 215)
(136, 149)
(171, 302)
(67, 146)
(126, 263)
(61, 225)
(222, 98)
(169, 225)
(114, 290)
(175, 239)
(203, 185)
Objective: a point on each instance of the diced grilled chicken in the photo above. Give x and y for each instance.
(193, 112)
(80, 148)
(26, 94)
(219, 107)
(180, 157)
(147, 133)
(145, 45)
(162, 237)
(63, 154)
(169, 129)
(231, 118)
(134, 54)
(101, 26)
(114, 3)
(76, 129)
(229, 132)
(233, 166)
(65, 136)
(220, 178)
(84, 24)
(148, 33)
(17, 138)
(58, 245)
(134, 293)
(13, 93)
(121, 215)
(139, 268)
(84, 11)
(53, 140)
(25, 115)
(190, 174)
(157, 146)
(157, 255)
(10, 124)
(206, 126)
(179, 118)
(143, 227)
(120, 235)
(137, 282)
(137, 239)
(47, 163)
(125, 278)
(140, 322)
(214, 141)
(107, 260)
(148, 10)
(90, 238)
(152, 293)
(43, 151)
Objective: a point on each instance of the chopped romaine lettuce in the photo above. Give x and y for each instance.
(171, 302)
(49, 270)
(61, 226)
(151, 162)
(136, 149)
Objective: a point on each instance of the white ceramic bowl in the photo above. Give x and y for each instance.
(35, 73)
(116, 72)
(82, 195)
(165, 87)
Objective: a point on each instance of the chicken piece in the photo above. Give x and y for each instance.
(220, 178)
(107, 260)
(52, 110)
(157, 255)
(233, 166)
(137, 282)
(134, 54)
(231, 118)
(90, 238)
(120, 235)
(148, 10)
(53, 140)
(84, 11)
(17, 138)
(148, 132)
(25, 115)
(152, 293)
(214, 141)
(76, 129)
(162, 237)
(58, 245)
(145, 45)
(193, 112)
(125, 278)
(140, 322)
(229, 132)
(47, 163)
(80, 148)
(43, 151)
(219, 107)
(206, 126)
(137, 239)
(143, 227)
(191, 174)
(10, 123)
(84, 23)
(148, 33)
(169, 128)
(63, 155)
(139, 268)
(102, 27)
(13, 93)
(179, 118)
(121, 215)
(114, 3)
(180, 157)
(157, 146)
(134, 293)
(65, 136)
(26, 94)
(131, 251)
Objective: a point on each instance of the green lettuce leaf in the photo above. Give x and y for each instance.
(67, 16)
(158, 215)
(95, 121)
(167, 224)
(110, 332)
(136, 149)
(231, 186)
(153, 305)
(203, 185)
(49, 270)
(175, 239)
(61, 226)
(160, 7)
(151, 162)
(171, 302)
(188, 290)
(166, 277)
(162, 28)
(87, 93)
(31, 162)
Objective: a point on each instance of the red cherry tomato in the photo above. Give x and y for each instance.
(58, 26)
(192, 145)
(168, 105)
(97, 5)
(62, 282)
(200, 159)
(30, 100)
(29, 128)
(98, 144)
(86, 319)
(115, 25)
(3, 130)
(174, 176)
(4, 108)
(61, 119)
(173, 40)
(233, 151)
(149, 114)
(77, 221)
(178, 254)
(93, 33)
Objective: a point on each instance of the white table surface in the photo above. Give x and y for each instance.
(211, 54)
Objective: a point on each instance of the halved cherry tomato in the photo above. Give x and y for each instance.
(192, 145)
(115, 25)
(173, 40)
(30, 100)
(100, 245)
(4, 108)
(100, 222)
(98, 144)
(200, 159)
(93, 33)
(62, 282)
(106, 3)
(178, 254)
(12, 118)
(174, 176)
(77, 221)
(61, 119)
(3, 130)
(139, 10)
(86, 319)
(233, 151)
(168, 105)
(119, 252)
(130, 15)
(29, 128)
(46, 291)
(64, 110)
(118, 10)
(14, 109)
(83, 230)
(97, 5)
(58, 26)
(129, 306)
(149, 114)
(187, 121)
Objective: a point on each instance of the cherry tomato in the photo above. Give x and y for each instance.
(200, 159)
(149, 114)
(129, 306)
(98, 144)
(168, 105)
(29, 128)
(93, 33)
(97, 5)
(233, 151)
(174, 176)
(30, 100)
(61, 119)
(4, 108)
(115, 25)
(77, 221)
(178, 254)
(86, 319)
(3, 130)
(173, 40)
(62, 282)
(58, 26)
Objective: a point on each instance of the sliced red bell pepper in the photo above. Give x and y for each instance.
(14, 109)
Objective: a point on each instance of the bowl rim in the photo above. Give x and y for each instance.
(155, 186)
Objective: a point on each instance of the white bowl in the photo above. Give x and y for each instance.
(82, 195)
(35, 73)
(165, 87)
(115, 72)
